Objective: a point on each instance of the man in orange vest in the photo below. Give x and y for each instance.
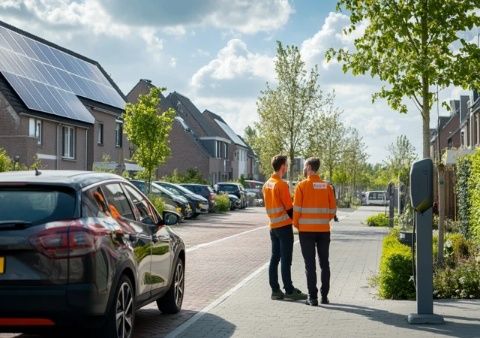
(314, 208)
(278, 204)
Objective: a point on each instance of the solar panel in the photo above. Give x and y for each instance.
(47, 79)
(233, 136)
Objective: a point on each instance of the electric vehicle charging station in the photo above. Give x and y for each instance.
(421, 195)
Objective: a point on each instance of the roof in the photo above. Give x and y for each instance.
(51, 79)
(142, 87)
(223, 128)
(72, 178)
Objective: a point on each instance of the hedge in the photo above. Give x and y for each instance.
(468, 195)
(379, 220)
(222, 203)
(395, 276)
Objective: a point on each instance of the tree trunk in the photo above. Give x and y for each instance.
(291, 169)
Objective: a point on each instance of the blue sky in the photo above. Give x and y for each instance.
(217, 52)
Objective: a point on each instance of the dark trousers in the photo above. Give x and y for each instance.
(282, 249)
(309, 241)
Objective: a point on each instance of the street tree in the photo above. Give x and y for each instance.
(286, 110)
(148, 130)
(354, 158)
(413, 46)
(401, 156)
(327, 138)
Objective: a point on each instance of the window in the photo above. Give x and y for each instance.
(93, 203)
(218, 149)
(143, 209)
(118, 134)
(68, 144)
(100, 134)
(117, 202)
(226, 150)
(35, 129)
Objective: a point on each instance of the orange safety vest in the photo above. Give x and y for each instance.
(276, 196)
(314, 205)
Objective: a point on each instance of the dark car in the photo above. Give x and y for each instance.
(198, 203)
(83, 249)
(179, 202)
(235, 189)
(203, 190)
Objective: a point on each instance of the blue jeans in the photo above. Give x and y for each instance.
(282, 249)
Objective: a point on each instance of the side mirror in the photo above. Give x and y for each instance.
(170, 219)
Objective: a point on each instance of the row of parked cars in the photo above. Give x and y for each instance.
(189, 200)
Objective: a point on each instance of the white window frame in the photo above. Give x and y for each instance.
(35, 129)
(68, 142)
(100, 133)
(118, 138)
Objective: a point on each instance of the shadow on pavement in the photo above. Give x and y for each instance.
(400, 320)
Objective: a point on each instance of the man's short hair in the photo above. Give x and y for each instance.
(314, 163)
(278, 161)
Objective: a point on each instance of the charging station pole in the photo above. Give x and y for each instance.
(421, 193)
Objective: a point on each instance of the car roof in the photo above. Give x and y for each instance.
(234, 183)
(72, 178)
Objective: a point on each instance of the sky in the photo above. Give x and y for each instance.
(219, 53)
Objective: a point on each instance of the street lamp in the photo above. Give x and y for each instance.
(16, 159)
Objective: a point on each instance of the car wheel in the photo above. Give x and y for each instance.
(194, 215)
(121, 316)
(171, 302)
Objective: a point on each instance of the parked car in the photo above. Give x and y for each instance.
(374, 198)
(83, 249)
(198, 203)
(203, 190)
(256, 188)
(235, 189)
(235, 202)
(179, 202)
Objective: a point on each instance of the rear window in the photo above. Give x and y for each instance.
(228, 187)
(36, 205)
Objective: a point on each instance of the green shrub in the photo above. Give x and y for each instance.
(5, 161)
(379, 220)
(222, 203)
(395, 276)
(463, 201)
(191, 175)
(456, 248)
(462, 281)
(157, 202)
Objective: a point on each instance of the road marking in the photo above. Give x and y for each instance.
(203, 245)
(180, 329)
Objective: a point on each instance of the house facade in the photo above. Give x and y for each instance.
(56, 106)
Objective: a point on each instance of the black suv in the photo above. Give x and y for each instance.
(203, 190)
(198, 203)
(235, 189)
(83, 249)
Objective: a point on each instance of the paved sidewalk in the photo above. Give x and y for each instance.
(354, 312)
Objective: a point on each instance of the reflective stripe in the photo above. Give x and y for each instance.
(279, 219)
(314, 221)
(272, 211)
(297, 209)
(315, 210)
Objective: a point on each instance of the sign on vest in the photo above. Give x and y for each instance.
(319, 185)
(269, 185)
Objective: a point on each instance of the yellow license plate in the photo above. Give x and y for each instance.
(2, 265)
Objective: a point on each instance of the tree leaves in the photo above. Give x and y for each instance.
(149, 130)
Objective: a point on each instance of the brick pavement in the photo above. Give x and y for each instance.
(355, 310)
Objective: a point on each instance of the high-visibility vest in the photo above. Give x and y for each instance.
(277, 199)
(314, 205)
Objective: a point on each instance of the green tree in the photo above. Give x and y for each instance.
(286, 111)
(148, 130)
(401, 156)
(327, 138)
(413, 45)
(354, 158)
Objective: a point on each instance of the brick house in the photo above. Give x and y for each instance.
(57, 106)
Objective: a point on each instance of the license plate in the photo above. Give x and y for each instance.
(2, 265)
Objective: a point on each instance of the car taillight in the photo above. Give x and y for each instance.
(67, 241)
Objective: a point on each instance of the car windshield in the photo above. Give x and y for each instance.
(228, 187)
(36, 205)
(181, 189)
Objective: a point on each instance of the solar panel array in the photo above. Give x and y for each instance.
(50, 80)
(229, 131)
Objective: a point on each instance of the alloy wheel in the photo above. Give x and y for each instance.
(179, 284)
(124, 311)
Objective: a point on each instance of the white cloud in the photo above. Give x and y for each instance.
(232, 62)
(173, 62)
(245, 16)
